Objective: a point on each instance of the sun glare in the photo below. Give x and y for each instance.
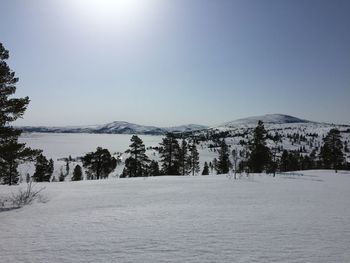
(120, 14)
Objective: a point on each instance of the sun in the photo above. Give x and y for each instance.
(122, 14)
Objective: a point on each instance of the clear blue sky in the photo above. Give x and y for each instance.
(169, 62)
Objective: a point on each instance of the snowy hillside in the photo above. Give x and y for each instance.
(123, 127)
(183, 219)
(267, 119)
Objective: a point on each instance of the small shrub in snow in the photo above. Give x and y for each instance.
(26, 196)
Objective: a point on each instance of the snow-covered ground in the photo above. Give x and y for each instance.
(184, 219)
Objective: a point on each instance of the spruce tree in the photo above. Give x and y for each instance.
(183, 158)
(43, 169)
(205, 169)
(284, 162)
(260, 155)
(137, 164)
(274, 162)
(331, 153)
(169, 155)
(223, 163)
(77, 173)
(193, 158)
(99, 164)
(153, 169)
(12, 153)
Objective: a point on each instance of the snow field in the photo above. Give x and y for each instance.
(184, 219)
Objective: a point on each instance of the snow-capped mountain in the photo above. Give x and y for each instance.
(116, 127)
(123, 127)
(267, 119)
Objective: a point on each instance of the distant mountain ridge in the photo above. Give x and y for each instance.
(267, 119)
(116, 127)
(123, 127)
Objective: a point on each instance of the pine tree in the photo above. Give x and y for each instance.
(193, 158)
(77, 173)
(153, 169)
(331, 154)
(99, 164)
(169, 155)
(137, 164)
(260, 155)
(346, 148)
(12, 153)
(284, 162)
(183, 158)
(43, 169)
(223, 163)
(67, 167)
(274, 162)
(205, 169)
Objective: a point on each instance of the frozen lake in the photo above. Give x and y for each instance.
(58, 145)
(184, 219)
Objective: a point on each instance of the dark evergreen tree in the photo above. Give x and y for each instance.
(260, 155)
(346, 148)
(274, 160)
(154, 169)
(99, 164)
(67, 167)
(137, 164)
(43, 169)
(331, 153)
(193, 159)
(284, 162)
(77, 173)
(205, 169)
(169, 155)
(223, 163)
(183, 158)
(12, 153)
(51, 166)
(313, 160)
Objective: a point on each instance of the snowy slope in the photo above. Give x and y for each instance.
(267, 119)
(287, 219)
(123, 127)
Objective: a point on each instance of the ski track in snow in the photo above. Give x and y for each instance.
(184, 219)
